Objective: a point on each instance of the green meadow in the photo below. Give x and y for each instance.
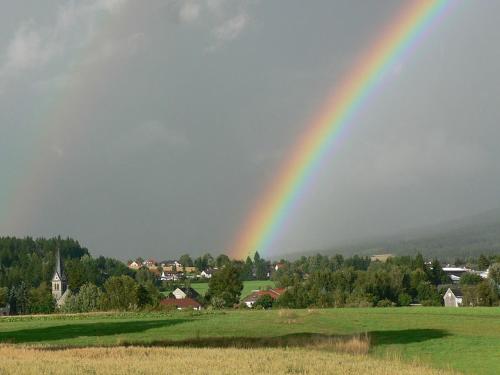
(463, 339)
(248, 286)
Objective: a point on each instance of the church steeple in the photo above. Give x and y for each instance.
(59, 281)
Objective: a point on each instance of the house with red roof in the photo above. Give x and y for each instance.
(256, 294)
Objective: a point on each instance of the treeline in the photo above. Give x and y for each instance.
(321, 281)
(27, 266)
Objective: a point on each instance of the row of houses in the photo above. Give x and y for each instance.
(171, 270)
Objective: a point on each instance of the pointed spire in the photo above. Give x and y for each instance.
(59, 269)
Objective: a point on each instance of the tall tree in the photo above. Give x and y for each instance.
(186, 260)
(120, 293)
(222, 260)
(227, 285)
(483, 262)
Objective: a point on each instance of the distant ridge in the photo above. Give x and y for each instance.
(464, 237)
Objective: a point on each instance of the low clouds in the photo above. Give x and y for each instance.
(28, 49)
(226, 20)
(231, 28)
(33, 46)
(189, 12)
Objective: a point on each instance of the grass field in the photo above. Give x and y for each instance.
(248, 286)
(464, 339)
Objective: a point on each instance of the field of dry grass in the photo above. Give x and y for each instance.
(140, 360)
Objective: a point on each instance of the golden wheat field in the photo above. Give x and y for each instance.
(139, 360)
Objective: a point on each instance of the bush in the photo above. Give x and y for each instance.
(470, 279)
(88, 298)
(265, 302)
(483, 294)
(358, 301)
(41, 300)
(404, 299)
(120, 293)
(430, 302)
(384, 303)
(217, 303)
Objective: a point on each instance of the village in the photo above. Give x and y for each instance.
(186, 297)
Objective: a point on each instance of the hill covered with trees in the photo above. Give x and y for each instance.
(27, 267)
(462, 238)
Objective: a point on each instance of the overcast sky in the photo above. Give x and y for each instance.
(150, 128)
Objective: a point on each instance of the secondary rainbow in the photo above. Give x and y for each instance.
(274, 206)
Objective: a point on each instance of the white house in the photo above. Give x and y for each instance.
(453, 298)
(207, 274)
(169, 276)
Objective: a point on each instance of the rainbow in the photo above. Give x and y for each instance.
(275, 205)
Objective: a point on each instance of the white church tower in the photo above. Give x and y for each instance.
(59, 281)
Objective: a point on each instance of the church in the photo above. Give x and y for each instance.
(60, 289)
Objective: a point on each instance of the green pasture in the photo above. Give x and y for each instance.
(248, 286)
(464, 339)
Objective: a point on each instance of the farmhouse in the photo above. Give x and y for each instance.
(453, 297)
(255, 295)
(183, 298)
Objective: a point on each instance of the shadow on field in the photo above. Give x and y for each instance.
(359, 343)
(354, 344)
(405, 336)
(69, 331)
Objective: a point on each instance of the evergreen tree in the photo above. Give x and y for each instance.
(483, 262)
